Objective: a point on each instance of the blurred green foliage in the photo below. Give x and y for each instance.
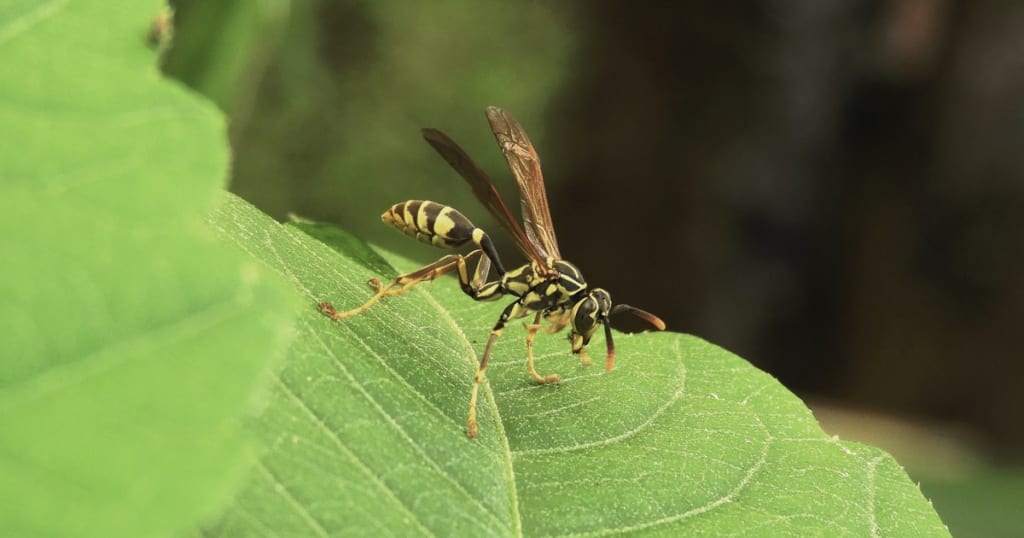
(133, 340)
(326, 98)
(987, 502)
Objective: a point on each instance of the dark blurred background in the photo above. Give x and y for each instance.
(832, 189)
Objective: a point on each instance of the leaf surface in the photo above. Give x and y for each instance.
(365, 428)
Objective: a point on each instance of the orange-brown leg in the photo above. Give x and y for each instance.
(404, 283)
(512, 311)
(557, 321)
(471, 426)
(531, 333)
(609, 360)
(585, 358)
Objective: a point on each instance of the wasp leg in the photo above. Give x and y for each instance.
(609, 360)
(471, 426)
(512, 311)
(531, 333)
(404, 283)
(585, 358)
(478, 288)
(558, 320)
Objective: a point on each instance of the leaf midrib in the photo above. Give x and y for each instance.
(463, 338)
(493, 404)
(25, 23)
(390, 420)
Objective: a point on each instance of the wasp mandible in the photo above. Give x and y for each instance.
(548, 286)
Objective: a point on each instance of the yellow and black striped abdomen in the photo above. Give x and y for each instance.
(441, 226)
(433, 223)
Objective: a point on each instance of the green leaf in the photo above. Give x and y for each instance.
(365, 428)
(133, 338)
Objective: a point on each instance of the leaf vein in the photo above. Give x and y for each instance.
(390, 420)
(493, 404)
(24, 23)
(281, 488)
(360, 464)
(872, 516)
(675, 397)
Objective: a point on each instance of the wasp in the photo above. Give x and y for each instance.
(549, 287)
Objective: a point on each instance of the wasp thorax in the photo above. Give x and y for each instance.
(570, 280)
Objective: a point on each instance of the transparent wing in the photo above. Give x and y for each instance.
(525, 165)
(483, 189)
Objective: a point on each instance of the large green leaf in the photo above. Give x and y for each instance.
(132, 337)
(365, 427)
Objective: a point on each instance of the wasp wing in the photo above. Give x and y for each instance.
(525, 165)
(483, 189)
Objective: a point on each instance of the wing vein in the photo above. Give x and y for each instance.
(524, 163)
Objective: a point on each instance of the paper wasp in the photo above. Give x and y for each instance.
(549, 286)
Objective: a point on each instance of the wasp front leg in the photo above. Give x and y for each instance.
(557, 320)
(531, 333)
(585, 358)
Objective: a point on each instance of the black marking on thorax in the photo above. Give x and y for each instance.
(542, 292)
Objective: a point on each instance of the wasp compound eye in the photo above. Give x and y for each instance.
(585, 317)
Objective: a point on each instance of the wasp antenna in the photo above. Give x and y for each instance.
(655, 321)
(609, 361)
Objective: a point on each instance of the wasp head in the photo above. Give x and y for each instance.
(593, 310)
(587, 315)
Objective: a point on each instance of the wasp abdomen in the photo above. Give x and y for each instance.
(430, 222)
(439, 225)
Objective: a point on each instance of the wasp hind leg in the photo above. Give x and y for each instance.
(531, 333)
(406, 282)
